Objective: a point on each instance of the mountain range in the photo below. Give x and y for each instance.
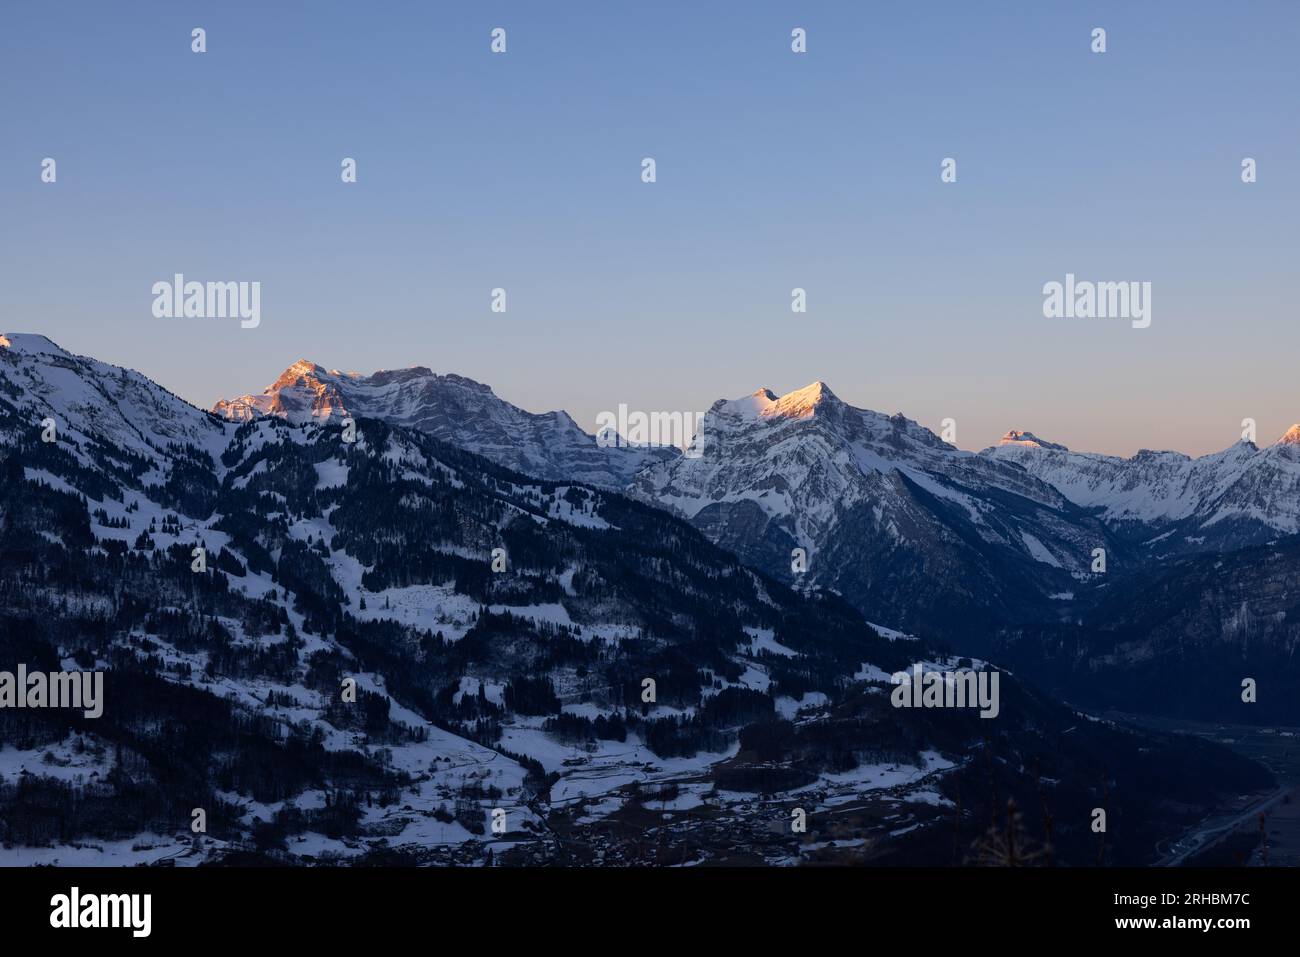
(906, 527)
(452, 408)
(909, 529)
(1171, 503)
(235, 573)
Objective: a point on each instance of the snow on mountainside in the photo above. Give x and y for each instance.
(902, 524)
(95, 400)
(453, 408)
(1241, 496)
(229, 578)
(479, 689)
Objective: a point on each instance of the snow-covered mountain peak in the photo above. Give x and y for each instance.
(1291, 436)
(1029, 440)
(754, 406)
(765, 404)
(305, 391)
(450, 407)
(301, 371)
(865, 495)
(25, 342)
(804, 402)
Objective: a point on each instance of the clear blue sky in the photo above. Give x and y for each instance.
(775, 170)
